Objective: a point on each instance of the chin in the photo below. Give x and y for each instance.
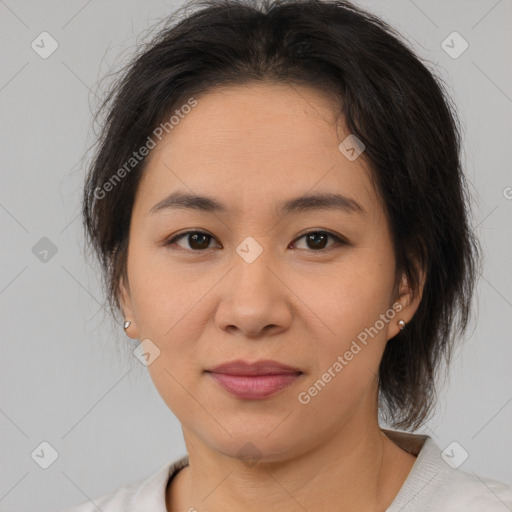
(254, 444)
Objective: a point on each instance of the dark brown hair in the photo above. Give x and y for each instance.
(388, 98)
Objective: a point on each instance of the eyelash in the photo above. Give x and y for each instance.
(337, 239)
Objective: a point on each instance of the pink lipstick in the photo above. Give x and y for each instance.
(252, 381)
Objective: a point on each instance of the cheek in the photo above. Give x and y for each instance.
(354, 304)
(352, 293)
(173, 378)
(165, 307)
(162, 294)
(348, 359)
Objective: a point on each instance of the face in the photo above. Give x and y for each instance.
(252, 280)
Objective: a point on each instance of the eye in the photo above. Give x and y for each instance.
(197, 240)
(318, 239)
(200, 240)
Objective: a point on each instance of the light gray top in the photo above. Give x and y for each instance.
(432, 485)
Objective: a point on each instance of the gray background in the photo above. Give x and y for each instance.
(66, 374)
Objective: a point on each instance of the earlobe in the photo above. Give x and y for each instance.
(130, 329)
(126, 308)
(406, 303)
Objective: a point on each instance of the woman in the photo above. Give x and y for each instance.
(278, 204)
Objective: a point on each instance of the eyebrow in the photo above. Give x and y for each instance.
(318, 201)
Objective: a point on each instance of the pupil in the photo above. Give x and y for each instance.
(197, 236)
(313, 237)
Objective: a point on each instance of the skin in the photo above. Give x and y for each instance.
(252, 147)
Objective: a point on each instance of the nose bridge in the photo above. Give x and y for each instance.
(252, 262)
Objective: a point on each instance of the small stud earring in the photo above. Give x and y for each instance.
(127, 324)
(401, 324)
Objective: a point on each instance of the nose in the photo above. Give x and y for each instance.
(254, 302)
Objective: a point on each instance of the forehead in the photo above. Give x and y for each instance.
(254, 145)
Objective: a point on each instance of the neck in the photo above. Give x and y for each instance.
(358, 469)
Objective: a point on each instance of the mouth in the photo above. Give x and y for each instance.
(263, 367)
(252, 381)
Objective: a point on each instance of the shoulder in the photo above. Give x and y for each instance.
(117, 500)
(434, 485)
(144, 494)
(469, 492)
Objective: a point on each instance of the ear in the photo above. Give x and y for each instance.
(125, 301)
(407, 302)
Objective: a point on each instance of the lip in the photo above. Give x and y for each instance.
(263, 367)
(253, 381)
